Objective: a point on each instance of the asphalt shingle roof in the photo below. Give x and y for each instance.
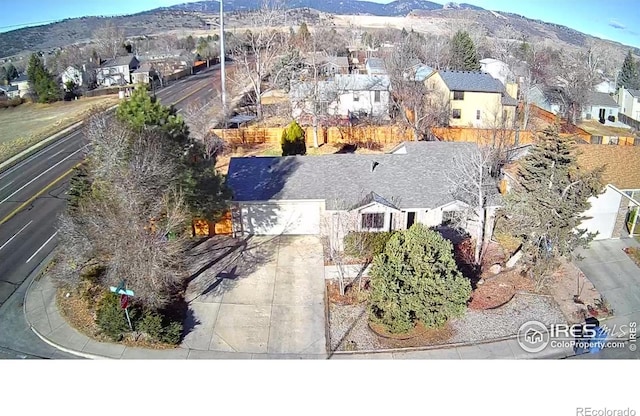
(601, 99)
(118, 61)
(471, 81)
(621, 163)
(416, 179)
(634, 93)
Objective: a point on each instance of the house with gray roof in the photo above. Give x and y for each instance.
(117, 71)
(599, 106)
(9, 91)
(347, 96)
(629, 102)
(476, 99)
(375, 66)
(373, 192)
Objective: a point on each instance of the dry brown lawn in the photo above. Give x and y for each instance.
(25, 125)
(594, 127)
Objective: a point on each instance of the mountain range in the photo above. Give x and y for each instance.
(395, 8)
(197, 16)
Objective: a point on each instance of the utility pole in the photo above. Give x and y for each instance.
(222, 69)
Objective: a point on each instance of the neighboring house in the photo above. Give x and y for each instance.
(143, 75)
(375, 66)
(382, 192)
(599, 105)
(629, 102)
(476, 98)
(332, 65)
(610, 211)
(344, 95)
(117, 71)
(419, 73)
(540, 98)
(166, 63)
(22, 82)
(497, 69)
(363, 95)
(9, 91)
(72, 74)
(608, 87)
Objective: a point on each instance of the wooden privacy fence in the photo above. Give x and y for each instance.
(381, 135)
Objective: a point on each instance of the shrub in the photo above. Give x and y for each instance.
(13, 102)
(416, 279)
(293, 141)
(365, 245)
(111, 318)
(159, 328)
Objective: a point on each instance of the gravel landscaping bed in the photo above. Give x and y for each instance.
(349, 330)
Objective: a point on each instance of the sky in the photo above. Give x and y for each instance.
(617, 20)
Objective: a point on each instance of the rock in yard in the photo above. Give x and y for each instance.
(514, 259)
(495, 269)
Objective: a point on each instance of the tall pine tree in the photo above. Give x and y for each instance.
(545, 208)
(464, 56)
(42, 81)
(629, 76)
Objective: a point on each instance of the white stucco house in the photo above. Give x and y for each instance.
(73, 74)
(497, 69)
(117, 71)
(313, 194)
(349, 95)
(599, 105)
(629, 102)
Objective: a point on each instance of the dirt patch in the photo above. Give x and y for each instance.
(499, 289)
(419, 336)
(569, 281)
(634, 254)
(353, 295)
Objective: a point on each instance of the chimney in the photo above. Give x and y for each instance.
(373, 165)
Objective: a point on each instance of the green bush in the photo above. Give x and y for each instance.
(415, 279)
(293, 141)
(365, 245)
(159, 328)
(110, 318)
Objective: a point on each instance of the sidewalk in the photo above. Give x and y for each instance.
(42, 315)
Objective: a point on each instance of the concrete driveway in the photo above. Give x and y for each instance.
(264, 295)
(613, 273)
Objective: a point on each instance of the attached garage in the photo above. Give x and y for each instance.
(603, 212)
(282, 217)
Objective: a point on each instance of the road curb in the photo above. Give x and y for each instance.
(35, 275)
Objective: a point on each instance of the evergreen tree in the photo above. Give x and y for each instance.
(629, 76)
(545, 208)
(42, 81)
(416, 279)
(464, 56)
(293, 141)
(4, 76)
(303, 34)
(12, 72)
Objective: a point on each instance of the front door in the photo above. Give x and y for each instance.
(601, 114)
(411, 218)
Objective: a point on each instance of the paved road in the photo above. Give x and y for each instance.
(32, 195)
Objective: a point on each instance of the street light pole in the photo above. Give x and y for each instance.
(222, 62)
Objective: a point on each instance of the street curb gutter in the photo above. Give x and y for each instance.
(35, 275)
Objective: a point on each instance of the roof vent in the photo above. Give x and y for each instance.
(373, 165)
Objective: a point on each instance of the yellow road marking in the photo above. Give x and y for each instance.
(190, 94)
(42, 191)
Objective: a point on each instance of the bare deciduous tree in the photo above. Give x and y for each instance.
(109, 39)
(259, 48)
(134, 221)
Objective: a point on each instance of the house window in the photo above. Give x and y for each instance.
(610, 111)
(477, 114)
(457, 113)
(376, 96)
(458, 95)
(596, 139)
(636, 141)
(452, 218)
(504, 115)
(355, 96)
(373, 221)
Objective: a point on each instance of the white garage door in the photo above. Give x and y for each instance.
(281, 218)
(604, 211)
